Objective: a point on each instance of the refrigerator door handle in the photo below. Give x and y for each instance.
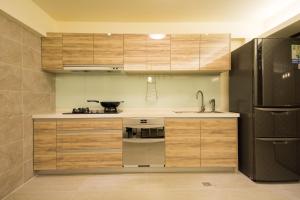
(279, 112)
(279, 140)
(279, 109)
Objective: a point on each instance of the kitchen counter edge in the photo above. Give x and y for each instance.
(137, 115)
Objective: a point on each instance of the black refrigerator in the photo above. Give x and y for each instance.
(264, 87)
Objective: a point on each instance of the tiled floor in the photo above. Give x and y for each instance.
(156, 186)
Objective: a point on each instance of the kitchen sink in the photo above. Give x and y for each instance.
(196, 112)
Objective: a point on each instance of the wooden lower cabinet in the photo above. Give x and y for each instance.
(89, 143)
(182, 148)
(201, 142)
(219, 143)
(44, 151)
(97, 143)
(182, 142)
(218, 148)
(77, 144)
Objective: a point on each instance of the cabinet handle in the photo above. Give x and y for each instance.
(278, 109)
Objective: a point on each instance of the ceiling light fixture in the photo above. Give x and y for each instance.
(157, 36)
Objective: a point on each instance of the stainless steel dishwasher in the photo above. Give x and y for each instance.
(143, 142)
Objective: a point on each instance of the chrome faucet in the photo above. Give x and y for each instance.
(212, 103)
(202, 109)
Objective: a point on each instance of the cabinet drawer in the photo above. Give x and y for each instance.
(185, 124)
(84, 140)
(219, 124)
(88, 160)
(89, 124)
(277, 123)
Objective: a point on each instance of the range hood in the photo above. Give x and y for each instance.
(80, 68)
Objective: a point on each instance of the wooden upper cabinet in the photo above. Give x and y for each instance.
(158, 53)
(138, 52)
(135, 52)
(215, 52)
(108, 49)
(52, 52)
(78, 49)
(185, 52)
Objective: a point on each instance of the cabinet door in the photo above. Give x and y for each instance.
(158, 54)
(185, 52)
(108, 49)
(218, 143)
(182, 143)
(52, 52)
(44, 150)
(215, 52)
(135, 52)
(78, 49)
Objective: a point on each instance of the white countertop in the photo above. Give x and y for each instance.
(138, 114)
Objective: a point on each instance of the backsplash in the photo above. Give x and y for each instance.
(173, 91)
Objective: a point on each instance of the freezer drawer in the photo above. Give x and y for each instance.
(277, 159)
(277, 122)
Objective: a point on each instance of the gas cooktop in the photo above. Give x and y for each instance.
(91, 111)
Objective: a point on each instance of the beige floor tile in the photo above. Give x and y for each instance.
(154, 186)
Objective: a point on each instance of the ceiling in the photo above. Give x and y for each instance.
(161, 10)
(291, 30)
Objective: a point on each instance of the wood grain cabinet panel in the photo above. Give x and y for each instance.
(158, 53)
(219, 143)
(44, 151)
(52, 52)
(89, 140)
(108, 49)
(219, 124)
(183, 124)
(182, 142)
(185, 52)
(215, 52)
(135, 52)
(88, 124)
(88, 160)
(89, 143)
(78, 49)
(182, 148)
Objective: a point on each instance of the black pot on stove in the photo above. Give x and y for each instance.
(109, 106)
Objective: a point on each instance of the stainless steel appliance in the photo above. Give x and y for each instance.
(143, 142)
(265, 90)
